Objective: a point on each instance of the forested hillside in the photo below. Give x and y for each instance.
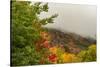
(31, 44)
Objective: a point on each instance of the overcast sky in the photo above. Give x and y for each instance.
(80, 19)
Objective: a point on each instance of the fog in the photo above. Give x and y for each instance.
(80, 19)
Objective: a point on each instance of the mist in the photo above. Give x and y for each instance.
(79, 19)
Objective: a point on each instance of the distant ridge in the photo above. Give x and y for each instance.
(74, 42)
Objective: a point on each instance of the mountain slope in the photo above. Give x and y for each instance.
(74, 43)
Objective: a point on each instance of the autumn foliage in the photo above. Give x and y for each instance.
(31, 44)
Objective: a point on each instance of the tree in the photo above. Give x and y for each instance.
(25, 30)
(89, 54)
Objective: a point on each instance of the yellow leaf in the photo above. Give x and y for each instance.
(53, 50)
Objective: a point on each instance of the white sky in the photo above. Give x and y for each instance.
(80, 19)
